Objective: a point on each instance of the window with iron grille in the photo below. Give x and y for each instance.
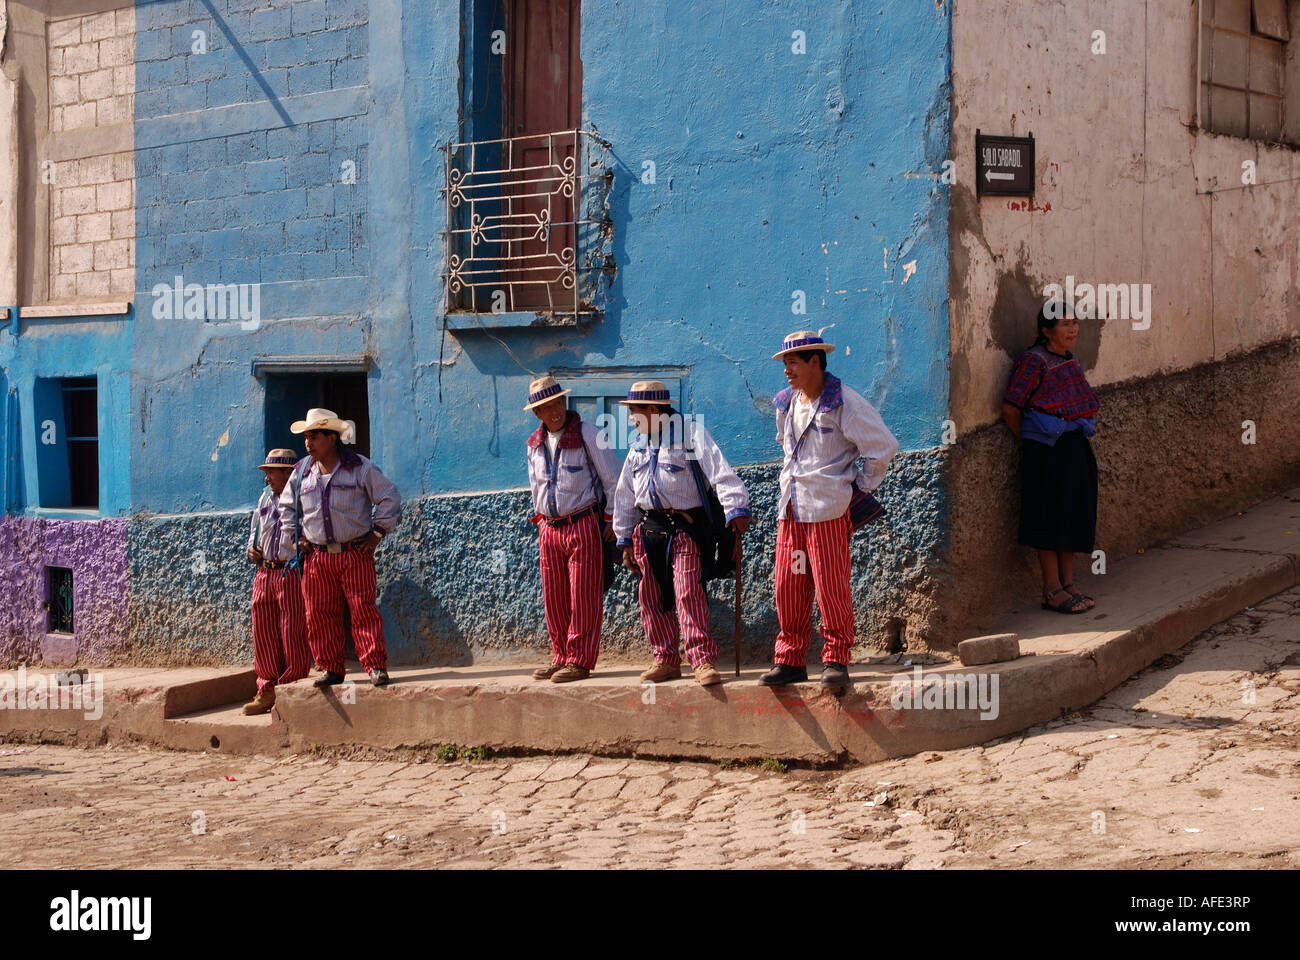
(60, 596)
(527, 230)
(1244, 68)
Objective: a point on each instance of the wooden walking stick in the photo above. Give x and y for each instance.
(739, 557)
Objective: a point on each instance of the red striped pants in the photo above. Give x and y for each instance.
(573, 574)
(280, 653)
(692, 613)
(330, 580)
(813, 557)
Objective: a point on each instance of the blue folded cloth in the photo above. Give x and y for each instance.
(1048, 428)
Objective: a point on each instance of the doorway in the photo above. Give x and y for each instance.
(290, 395)
(288, 398)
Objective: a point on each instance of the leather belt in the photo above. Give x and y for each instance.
(340, 547)
(272, 564)
(570, 518)
(665, 518)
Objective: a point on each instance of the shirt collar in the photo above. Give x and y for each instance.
(832, 395)
(570, 433)
(642, 442)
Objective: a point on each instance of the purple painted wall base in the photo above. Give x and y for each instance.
(95, 551)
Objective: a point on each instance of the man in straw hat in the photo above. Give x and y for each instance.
(823, 427)
(341, 506)
(572, 476)
(280, 652)
(660, 521)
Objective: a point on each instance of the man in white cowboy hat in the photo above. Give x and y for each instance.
(823, 427)
(280, 652)
(341, 506)
(570, 473)
(660, 521)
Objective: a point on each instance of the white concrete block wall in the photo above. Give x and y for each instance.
(91, 62)
(92, 69)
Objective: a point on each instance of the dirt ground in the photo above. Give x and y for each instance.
(1195, 762)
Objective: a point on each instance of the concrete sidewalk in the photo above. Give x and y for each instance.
(1147, 606)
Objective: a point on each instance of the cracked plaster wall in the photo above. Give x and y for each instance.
(1121, 175)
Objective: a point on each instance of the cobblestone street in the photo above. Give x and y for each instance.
(1194, 762)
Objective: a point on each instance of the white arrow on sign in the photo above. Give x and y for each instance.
(990, 175)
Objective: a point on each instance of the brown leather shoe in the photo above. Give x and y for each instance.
(545, 673)
(662, 671)
(706, 675)
(262, 703)
(570, 673)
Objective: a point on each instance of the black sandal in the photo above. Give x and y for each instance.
(1079, 595)
(1065, 606)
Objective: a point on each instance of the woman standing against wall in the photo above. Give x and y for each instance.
(1050, 406)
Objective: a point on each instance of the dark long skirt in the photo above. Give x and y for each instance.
(1058, 494)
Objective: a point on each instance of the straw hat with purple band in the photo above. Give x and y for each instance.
(543, 390)
(319, 418)
(802, 340)
(648, 392)
(279, 459)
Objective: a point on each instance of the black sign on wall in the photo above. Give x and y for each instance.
(1004, 166)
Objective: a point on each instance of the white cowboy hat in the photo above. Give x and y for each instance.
(319, 418)
(803, 340)
(544, 390)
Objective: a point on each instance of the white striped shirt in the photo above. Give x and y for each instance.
(661, 479)
(265, 531)
(343, 505)
(821, 461)
(563, 480)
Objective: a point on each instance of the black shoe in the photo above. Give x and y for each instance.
(782, 675)
(379, 677)
(329, 680)
(835, 676)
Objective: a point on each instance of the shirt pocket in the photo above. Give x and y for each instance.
(309, 492)
(348, 499)
(673, 462)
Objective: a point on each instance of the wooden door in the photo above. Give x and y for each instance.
(543, 96)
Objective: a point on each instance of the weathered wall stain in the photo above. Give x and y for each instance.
(1015, 315)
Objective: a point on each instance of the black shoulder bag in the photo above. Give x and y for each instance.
(718, 548)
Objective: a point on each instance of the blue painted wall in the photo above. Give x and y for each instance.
(51, 349)
(251, 168)
(775, 172)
